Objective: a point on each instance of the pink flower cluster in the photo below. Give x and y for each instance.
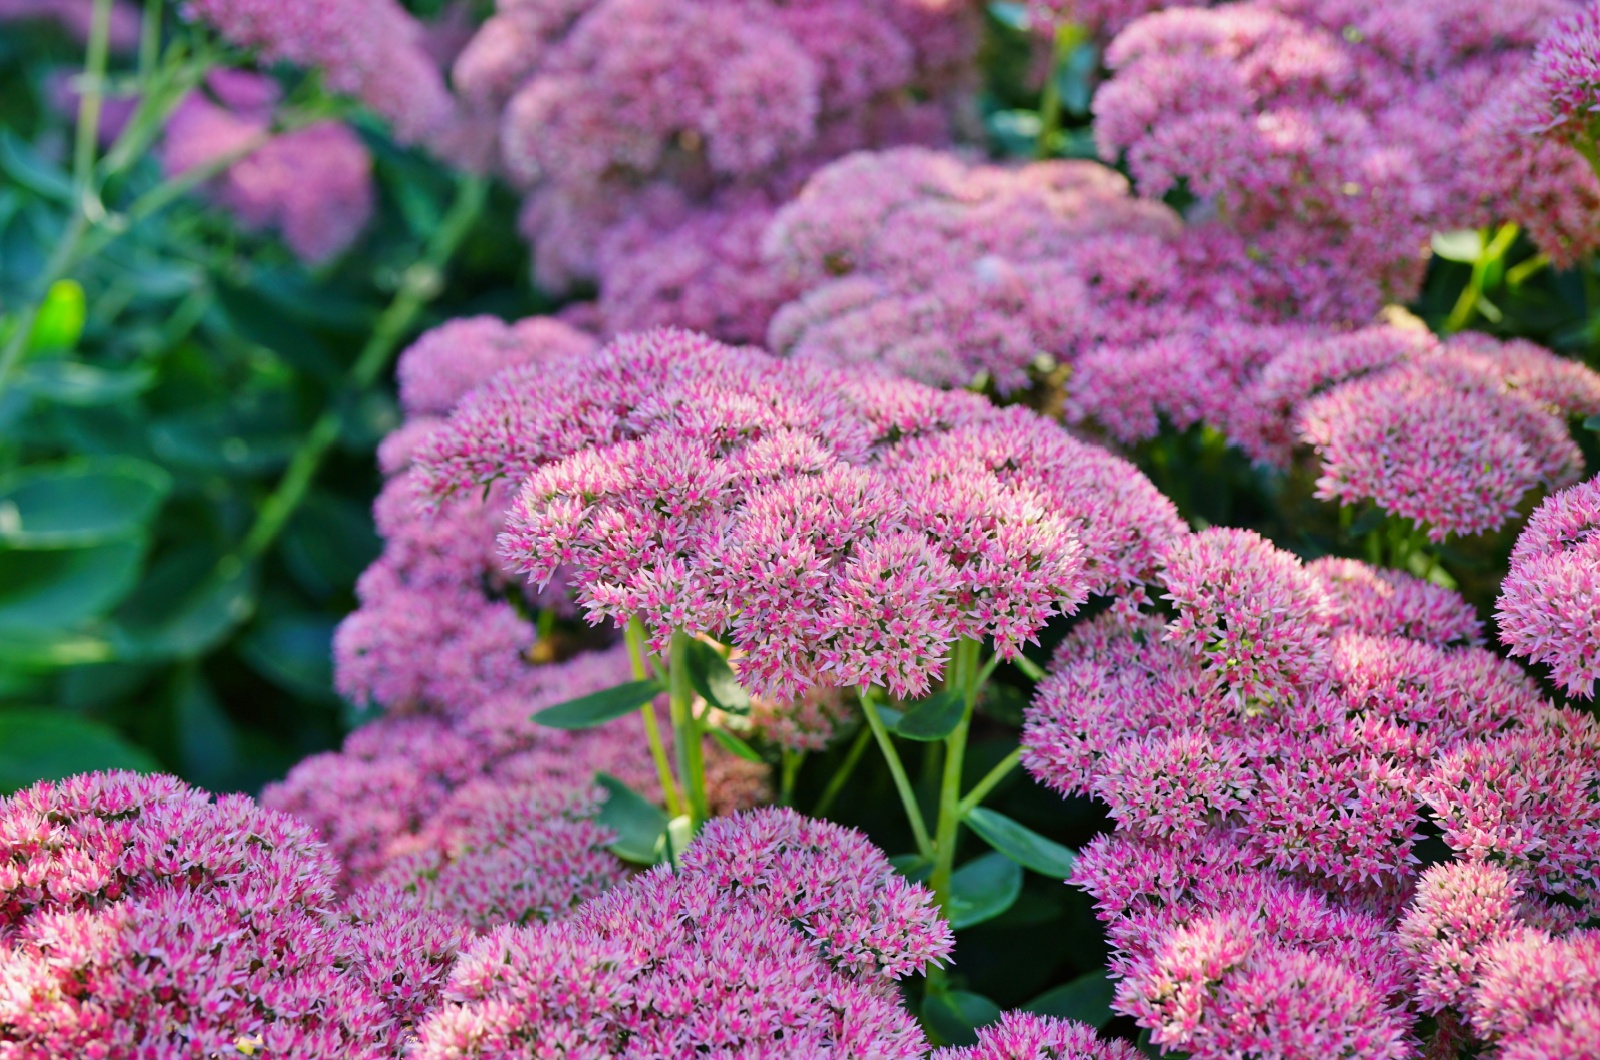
(778, 937)
(140, 918)
(313, 185)
(370, 49)
(654, 138)
(835, 529)
(1100, 17)
(1452, 435)
(1324, 130)
(1275, 758)
(1024, 1036)
(1501, 965)
(1550, 601)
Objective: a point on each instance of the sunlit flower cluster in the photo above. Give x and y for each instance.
(1550, 601)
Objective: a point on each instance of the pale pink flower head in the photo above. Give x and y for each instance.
(1251, 611)
(1529, 984)
(1460, 908)
(312, 185)
(444, 364)
(1549, 607)
(1562, 82)
(1025, 1036)
(370, 49)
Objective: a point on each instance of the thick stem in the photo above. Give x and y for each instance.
(897, 770)
(1067, 38)
(686, 735)
(421, 285)
(967, 679)
(790, 772)
(841, 776)
(633, 633)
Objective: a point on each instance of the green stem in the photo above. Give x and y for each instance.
(421, 284)
(686, 734)
(633, 633)
(990, 781)
(791, 760)
(149, 38)
(955, 751)
(841, 776)
(1067, 37)
(89, 101)
(1030, 669)
(897, 770)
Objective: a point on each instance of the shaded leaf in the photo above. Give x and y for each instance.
(1086, 999)
(639, 824)
(294, 652)
(933, 718)
(713, 679)
(71, 383)
(79, 503)
(597, 708)
(208, 742)
(184, 608)
(982, 889)
(1464, 245)
(733, 745)
(955, 1015)
(49, 744)
(1022, 845)
(33, 171)
(55, 589)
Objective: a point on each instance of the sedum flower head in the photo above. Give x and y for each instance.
(1549, 607)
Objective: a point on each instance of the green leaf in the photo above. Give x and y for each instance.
(933, 718)
(597, 708)
(294, 652)
(48, 745)
(79, 503)
(47, 649)
(264, 323)
(1368, 521)
(1086, 999)
(1010, 14)
(232, 439)
(328, 543)
(54, 589)
(183, 608)
(82, 386)
(208, 740)
(33, 171)
(713, 679)
(733, 745)
(1592, 423)
(59, 325)
(639, 824)
(956, 1015)
(982, 889)
(1022, 845)
(1464, 245)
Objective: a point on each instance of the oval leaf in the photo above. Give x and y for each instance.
(59, 588)
(184, 607)
(982, 889)
(48, 745)
(1086, 999)
(83, 386)
(59, 324)
(597, 708)
(714, 680)
(1023, 845)
(733, 745)
(956, 1015)
(639, 824)
(80, 503)
(934, 718)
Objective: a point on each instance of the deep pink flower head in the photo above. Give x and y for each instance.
(1460, 909)
(1390, 603)
(1259, 619)
(312, 185)
(1549, 607)
(1024, 1036)
(141, 918)
(1562, 82)
(1444, 442)
(739, 953)
(833, 529)
(1530, 984)
(370, 49)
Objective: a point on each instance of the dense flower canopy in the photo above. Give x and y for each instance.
(1550, 602)
(836, 530)
(1273, 775)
